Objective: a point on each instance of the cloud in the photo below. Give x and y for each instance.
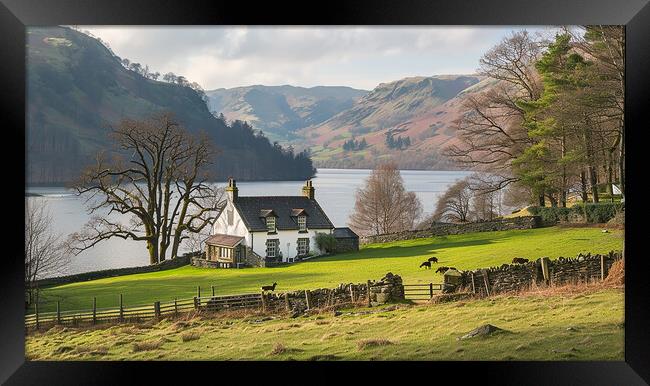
(360, 57)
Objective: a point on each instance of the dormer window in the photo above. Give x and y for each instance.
(302, 223)
(270, 224)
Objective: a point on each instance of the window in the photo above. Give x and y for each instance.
(302, 223)
(230, 216)
(270, 224)
(272, 247)
(303, 247)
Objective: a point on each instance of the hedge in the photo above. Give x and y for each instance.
(596, 213)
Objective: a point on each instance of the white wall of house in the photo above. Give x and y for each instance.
(291, 237)
(237, 228)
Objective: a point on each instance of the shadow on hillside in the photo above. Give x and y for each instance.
(405, 251)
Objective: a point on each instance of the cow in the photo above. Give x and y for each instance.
(269, 287)
(426, 264)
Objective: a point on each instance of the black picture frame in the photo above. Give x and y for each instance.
(634, 14)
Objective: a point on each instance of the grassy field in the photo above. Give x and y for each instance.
(468, 251)
(584, 325)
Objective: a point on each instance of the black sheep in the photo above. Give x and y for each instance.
(442, 269)
(269, 287)
(519, 260)
(426, 264)
(433, 259)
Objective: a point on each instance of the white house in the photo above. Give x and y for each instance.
(256, 230)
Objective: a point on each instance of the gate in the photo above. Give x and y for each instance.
(424, 291)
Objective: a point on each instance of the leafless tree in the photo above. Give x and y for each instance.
(383, 205)
(157, 178)
(45, 253)
(454, 204)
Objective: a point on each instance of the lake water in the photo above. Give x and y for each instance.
(334, 188)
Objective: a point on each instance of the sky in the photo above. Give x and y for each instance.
(359, 57)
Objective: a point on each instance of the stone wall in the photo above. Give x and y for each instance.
(445, 229)
(388, 289)
(167, 264)
(541, 272)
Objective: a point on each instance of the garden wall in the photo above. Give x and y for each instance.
(542, 272)
(445, 229)
(167, 264)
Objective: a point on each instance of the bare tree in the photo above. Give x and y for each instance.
(157, 179)
(454, 204)
(383, 205)
(45, 254)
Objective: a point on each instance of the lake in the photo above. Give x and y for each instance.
(334, 188)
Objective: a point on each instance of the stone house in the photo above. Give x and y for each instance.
(265, 230)
(346, 240)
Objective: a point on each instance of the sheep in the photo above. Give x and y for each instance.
(269, 287)
(442, 269)
(519, 260)
(432, 259)
(426, 264)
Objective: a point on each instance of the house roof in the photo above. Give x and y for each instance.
(344, 233)
(223, 240)
(285, 208)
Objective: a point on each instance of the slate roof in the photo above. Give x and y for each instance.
(223, 240)
(344, 233)
(251, 207)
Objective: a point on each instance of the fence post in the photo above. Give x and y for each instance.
(368, 288)
(352, 293)
(431, 289)
(121, 308)
(602, 267)
(94, 310)
(58, 312)
(212, 291)
(307, 298)
(286, 301)
(175, 307)
(263, 302)
(486, 282)
(36, 309)
(196, 303)
(156, 309)
(473, 284)
(198, 293)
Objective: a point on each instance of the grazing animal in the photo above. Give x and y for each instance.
(519, 260)
(433, 259)
(442, 269)
(269, 287)
(426, 264)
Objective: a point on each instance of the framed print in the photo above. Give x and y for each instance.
(383, 189)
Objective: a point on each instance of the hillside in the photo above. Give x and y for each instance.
(76, 88)
(280, 110)
(419, 110)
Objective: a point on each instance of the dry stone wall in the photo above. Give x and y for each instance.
(446, 229)
(542, 272)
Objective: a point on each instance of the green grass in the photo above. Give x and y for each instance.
(465, 252)
(569, 326)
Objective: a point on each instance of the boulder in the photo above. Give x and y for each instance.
(484, 330)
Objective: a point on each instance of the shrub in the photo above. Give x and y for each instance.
(595, 213)
(325, 242)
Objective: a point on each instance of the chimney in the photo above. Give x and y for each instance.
(231, 190)
(308, 190)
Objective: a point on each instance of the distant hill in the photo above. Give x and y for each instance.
(280, 110)
(407, 121)
(76, 88)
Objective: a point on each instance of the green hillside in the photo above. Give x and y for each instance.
(77, 88)
(469, 251)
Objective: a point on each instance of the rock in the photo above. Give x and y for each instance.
(572, 349)
(571, 328)
(338, 313)
(484, 330)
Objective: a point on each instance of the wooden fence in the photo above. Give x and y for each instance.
(422, 291)
(137, 313)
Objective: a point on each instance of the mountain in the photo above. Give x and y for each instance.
(408, 121)
(280, 110)
(76, 88)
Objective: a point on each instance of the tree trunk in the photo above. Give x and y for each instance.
(583, 186)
